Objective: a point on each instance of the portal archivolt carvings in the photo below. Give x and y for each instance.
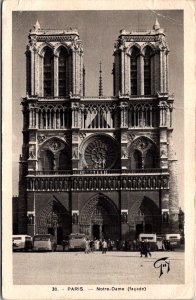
(52, 215)
(99, 207)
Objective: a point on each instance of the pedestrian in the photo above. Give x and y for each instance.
(109, 245)
(63, 245)
(142, 248)
(87, 246)
(96, 244)
(100, 245)
(117, 245)
(126, 245)
(91, 246)
(147, 248)
(112, 245)
(104, 246)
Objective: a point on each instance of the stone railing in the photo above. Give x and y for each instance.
(98, 172)
(92, 183)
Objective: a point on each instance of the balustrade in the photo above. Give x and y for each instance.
(98, 171)
(84, 183)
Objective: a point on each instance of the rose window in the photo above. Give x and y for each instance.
(100, 153)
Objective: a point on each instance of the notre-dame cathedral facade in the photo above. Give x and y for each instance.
(103, 166)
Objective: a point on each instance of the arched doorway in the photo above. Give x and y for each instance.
(146, 216)
(53, 219)
(100, 218)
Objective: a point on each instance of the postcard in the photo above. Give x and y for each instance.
(98, 152)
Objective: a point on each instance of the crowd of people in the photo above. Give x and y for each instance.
(104, 245)
(96, 245)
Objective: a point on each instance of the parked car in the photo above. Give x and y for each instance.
(76, 241)
(173, 240)
(22, 242)
(44, 242)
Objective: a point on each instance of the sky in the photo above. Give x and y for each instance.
(98, 31)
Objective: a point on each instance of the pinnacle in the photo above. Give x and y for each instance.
(156, 25)
(37, 25)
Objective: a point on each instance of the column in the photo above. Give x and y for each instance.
(90, 117)
(150, 116)
(81, 75)
(30, 118)
(122, 72)
(142, 120)
(166, 71)
(140, 75)
(73, 117)
(32, 72)
(122, 117)
(46, 119)
(134, 117)
(54, 121)
(106, 114)
(161, 117)
(34, 118)
(41, 120)
(127, 75)
(37, 119)
(82, 118)
(50, 120)
(56, 76)
(74, 71)
(161, 71)
(57, 116)
(36, 66)
(63, 119)
(41, 76)
(164, 116)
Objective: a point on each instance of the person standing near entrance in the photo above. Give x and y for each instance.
(92, 246)
(104, 246)
(147, 246)
(142, 248)
(96, 244)
(87, 247)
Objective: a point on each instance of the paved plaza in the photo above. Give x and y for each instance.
(74, 268)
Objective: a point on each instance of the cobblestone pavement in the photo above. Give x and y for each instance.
(72, 268)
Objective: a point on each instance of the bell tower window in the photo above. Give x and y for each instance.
(134, 83)
(62, 72)
(48, 73)
(147, 71)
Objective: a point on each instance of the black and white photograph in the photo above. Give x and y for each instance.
(97, 183)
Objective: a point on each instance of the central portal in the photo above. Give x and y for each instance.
(100, 218)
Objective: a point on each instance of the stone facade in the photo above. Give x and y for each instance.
(103, 166)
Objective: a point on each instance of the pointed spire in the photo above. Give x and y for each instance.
(100, 82)
(37, 26)
(156, 25)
